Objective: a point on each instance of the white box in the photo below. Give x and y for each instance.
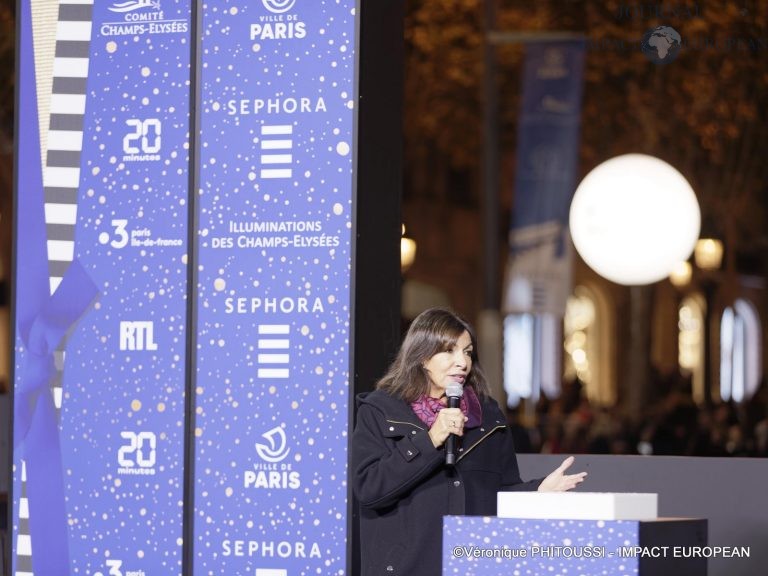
(578, 505)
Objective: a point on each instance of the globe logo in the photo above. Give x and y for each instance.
(662, 44)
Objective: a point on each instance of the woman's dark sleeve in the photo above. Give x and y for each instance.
(384, 469)
(511, 481)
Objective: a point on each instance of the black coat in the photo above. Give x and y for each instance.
(405, 488)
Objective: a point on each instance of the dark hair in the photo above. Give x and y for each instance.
(434, 330)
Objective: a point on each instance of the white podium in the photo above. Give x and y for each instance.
(578, 505)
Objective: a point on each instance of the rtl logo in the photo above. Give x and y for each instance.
(137, 335)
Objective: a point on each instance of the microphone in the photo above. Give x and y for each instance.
(454, 392)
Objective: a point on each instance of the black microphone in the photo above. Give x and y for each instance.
(454, 392)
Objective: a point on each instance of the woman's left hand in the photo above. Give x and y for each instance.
(559, 481)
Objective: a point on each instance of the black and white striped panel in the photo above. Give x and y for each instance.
(61, 174)
(23, 540)
(61, 181)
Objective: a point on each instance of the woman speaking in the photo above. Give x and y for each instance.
(415, 457)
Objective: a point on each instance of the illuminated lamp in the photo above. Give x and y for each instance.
(681, 274)
(634, 218)
(407, 251)
(708, 254)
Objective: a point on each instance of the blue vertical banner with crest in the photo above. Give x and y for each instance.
(273, 297)
(538, 273)
(100, 287)
(537, 280)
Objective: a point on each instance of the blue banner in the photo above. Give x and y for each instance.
(101, 286)
(273, 295)
(101, 267)
(538, 271)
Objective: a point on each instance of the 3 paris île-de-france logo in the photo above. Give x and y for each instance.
(278, 6)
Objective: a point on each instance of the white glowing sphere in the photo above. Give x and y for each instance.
(634, 218)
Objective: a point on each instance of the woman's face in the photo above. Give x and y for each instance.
(450, 366)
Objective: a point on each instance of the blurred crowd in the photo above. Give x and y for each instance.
(671, 425)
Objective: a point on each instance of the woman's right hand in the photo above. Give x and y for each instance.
(449, 421)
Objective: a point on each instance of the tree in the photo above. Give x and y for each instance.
(706, 112)
(7, 52)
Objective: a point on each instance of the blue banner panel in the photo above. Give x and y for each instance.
(538, 271)
(100, 334)
(275, 205)
(548, 132)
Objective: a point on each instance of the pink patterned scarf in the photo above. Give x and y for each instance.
(426, 408)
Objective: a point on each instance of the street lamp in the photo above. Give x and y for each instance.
(632, 219)
(407, 251)
(708, 256)
(681, 274)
